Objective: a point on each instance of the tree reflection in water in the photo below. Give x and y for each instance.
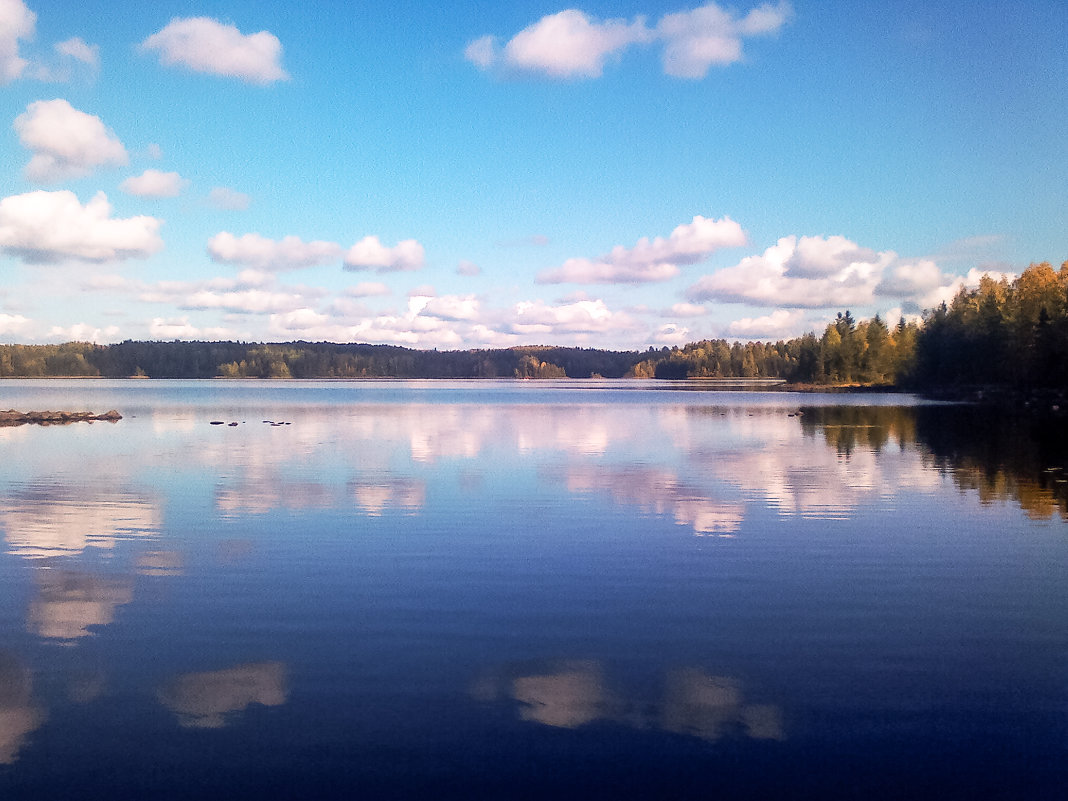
(1000, 456)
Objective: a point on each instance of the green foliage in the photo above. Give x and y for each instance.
(999, 334)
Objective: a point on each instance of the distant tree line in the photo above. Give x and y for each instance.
(305, 360)
(1001, 333)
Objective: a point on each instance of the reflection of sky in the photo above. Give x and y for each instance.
(659, 491)
(698, 465)
(163, 543)
(68, 603)
(64, 521)
(574, 693)
(205, 700)
(19, 716)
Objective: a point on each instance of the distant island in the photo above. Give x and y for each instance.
(48, 418)
(1002, 334)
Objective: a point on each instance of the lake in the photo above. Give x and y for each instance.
(575, 589)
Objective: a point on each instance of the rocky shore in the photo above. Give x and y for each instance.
(47, 418)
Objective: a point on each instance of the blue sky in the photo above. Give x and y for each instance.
(464, 174)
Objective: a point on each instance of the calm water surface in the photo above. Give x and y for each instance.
(528, 590)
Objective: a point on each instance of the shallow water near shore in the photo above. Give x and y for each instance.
(570, 589)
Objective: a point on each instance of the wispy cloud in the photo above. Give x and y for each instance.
(154, 183)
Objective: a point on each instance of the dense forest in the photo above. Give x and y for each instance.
(1001, 333)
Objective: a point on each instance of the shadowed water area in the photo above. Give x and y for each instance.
(572, 589)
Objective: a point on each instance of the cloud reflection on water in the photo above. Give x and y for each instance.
(206, 700)
(63, 521)
(659, 491)
(69, 602)
(19, 715)
(573, 693)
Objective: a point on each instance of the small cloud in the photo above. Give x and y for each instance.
(422, 291)
(261, 253)
(222, 197)
(482, 52)
(370, 252)
(48, 227)
(205, 45)
(153, 183)
(468, 268)
(154, 151)
(82, 332)
(672, 334)
(17, 23)
(569, 44)
(709, 36)
(12, 324)
(651, 260)
(70, 55)
(77, 49)
(65, 142)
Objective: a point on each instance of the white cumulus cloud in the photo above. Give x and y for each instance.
(453, 308)
(571, 44)
(206, 45)
(767, 279)
(259, 252)
(651, 260)
(154, 183)
(17, 23)
(710, 35)
(83, 332)
(47, 227)
(12, 323)
(370, 252)
(66, 142)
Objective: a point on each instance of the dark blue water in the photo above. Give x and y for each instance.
(528, 590)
